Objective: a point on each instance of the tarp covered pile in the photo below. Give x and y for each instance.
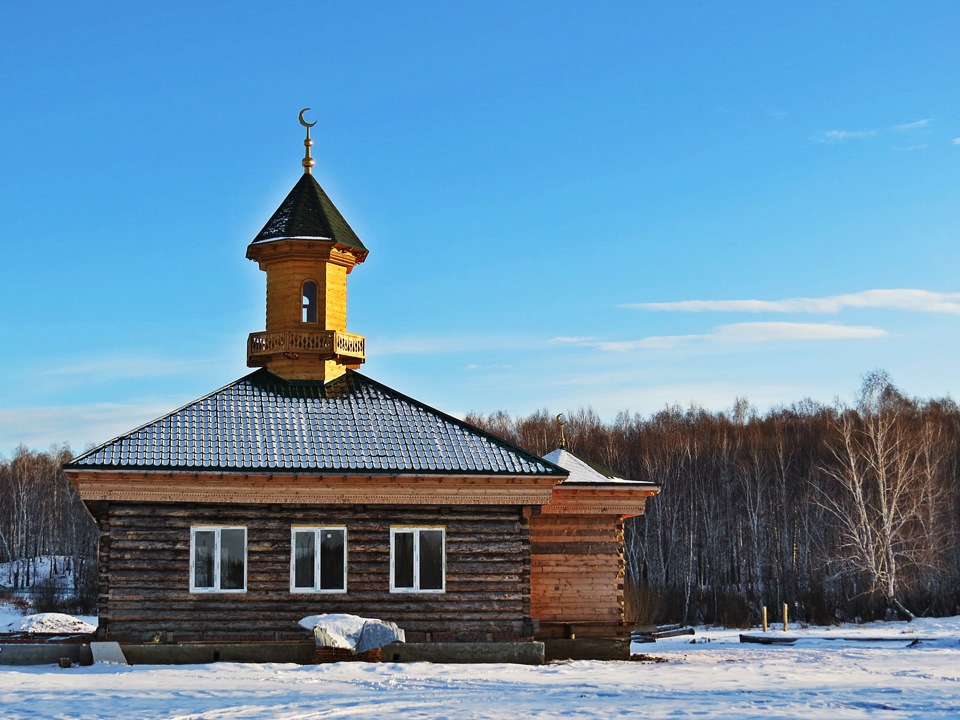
(350, 632)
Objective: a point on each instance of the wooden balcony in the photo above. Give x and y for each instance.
(325, 344)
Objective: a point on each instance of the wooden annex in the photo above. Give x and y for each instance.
(577, 551)
(306, 487)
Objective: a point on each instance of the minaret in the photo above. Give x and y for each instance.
(307, 250)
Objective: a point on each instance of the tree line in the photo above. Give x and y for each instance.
(843, 512)
(48, 540)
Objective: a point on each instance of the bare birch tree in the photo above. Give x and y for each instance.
(882, 494)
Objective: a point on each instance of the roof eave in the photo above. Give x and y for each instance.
(313, 472)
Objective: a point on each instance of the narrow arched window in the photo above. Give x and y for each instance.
(309, 302)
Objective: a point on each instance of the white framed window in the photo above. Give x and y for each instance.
(418, 560)
(218, 559)
(318, 559)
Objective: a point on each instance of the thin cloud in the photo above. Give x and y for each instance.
(747, 333)
(835, 136)
(916, 125)
(128, 367)
(77, 425)
(909, 300)
(956, 141)
(653, 342)
(840, 136)
(576, 340)
(774, 331)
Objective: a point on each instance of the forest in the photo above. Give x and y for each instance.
(48, 540)
(844, 512)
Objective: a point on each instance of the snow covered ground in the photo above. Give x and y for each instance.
(43, 567)
(716, 677)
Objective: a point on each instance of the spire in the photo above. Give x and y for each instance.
(307, 213)
(308, 162)
(563, 439)
(307, 250)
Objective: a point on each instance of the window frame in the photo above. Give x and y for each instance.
(305, 307)
(317, 530)
(217, 574)
(416, 530)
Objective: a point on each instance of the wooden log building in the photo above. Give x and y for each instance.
(306, 487)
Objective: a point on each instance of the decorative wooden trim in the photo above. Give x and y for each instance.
(167, 486)
(619, 499)
(326, 344)
(145, 486)
(271, 251)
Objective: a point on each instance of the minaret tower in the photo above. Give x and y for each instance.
(307, 250)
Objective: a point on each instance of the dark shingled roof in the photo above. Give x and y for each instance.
(307, 212)
(350, 425)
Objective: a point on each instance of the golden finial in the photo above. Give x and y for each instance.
(308, 162)
(563, 439)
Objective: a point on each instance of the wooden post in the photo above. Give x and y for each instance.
(764, 618)
(786, 622)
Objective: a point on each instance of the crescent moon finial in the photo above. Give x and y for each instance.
(304, 122)
(563, 439)
(307, 162)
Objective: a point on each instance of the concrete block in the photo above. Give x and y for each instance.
(44, 654)
(199, 653)
(305, 653)
(521, 653)
(587, 649)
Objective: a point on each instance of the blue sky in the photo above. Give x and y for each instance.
(614, 205)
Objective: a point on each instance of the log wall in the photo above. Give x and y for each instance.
(577, 567)
(145, 573)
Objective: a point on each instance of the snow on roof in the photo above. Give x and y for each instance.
(584, 472)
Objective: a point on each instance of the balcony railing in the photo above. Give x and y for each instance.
(325, 343)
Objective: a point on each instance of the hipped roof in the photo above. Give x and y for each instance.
(351, 425)
(307, 213)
